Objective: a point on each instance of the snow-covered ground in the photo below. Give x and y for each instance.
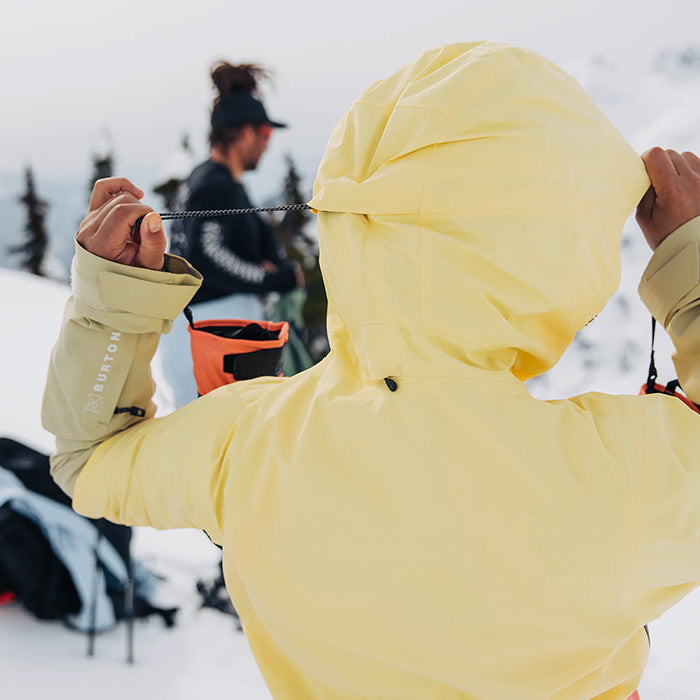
(204, 656)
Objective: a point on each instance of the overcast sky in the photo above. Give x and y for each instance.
(72, 70)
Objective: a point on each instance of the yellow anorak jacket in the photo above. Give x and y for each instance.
(404, 521)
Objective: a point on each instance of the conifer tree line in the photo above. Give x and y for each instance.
(291, 229)
(32, 251)
(102, 166)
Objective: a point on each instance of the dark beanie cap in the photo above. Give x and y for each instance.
(240, 108)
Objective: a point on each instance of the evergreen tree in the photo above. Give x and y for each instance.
(102, 166)
(177, 171)
(33, 250)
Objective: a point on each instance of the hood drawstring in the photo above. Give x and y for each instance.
(168, 215)
(228, 212)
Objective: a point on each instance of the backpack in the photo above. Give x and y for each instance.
(58, 564)
(30, 569)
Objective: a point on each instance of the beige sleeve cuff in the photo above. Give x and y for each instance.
(670, 288)
(132, 299)
(671, 281)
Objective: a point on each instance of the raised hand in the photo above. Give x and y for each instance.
(108, 229)
(674, 195)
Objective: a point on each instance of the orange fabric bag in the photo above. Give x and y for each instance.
(229, 350)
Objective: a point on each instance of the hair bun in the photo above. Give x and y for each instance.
(229, 79)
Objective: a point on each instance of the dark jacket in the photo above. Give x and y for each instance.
(227, 250)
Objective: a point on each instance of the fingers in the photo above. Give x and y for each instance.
(116, 227)
(660, 168)
(109, 229)
(681, 165)
(662, 165)
(674, 195)
(97, 216)
(152, 245)
(108, 187)
(108, 233)
(693, 161)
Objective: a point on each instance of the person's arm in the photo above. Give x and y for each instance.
(116, 460)
(125, 293)
(221, 260)
(274, 252)
(665, 564)
(669, 216)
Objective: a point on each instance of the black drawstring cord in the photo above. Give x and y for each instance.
(651, 378)
(228, 212)
(201, 213)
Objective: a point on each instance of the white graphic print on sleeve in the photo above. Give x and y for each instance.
(224, 258)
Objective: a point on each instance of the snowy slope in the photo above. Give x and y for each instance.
(204, 656)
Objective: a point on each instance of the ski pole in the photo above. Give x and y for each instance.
(92, 631)
(129, 611)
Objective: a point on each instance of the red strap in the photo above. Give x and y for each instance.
(661, 389)
(6, 597)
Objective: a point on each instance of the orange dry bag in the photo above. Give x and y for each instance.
(228, 350)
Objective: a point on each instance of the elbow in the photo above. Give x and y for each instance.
(66, 466)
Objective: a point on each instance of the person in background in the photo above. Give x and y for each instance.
(239, 256)
(404, 520)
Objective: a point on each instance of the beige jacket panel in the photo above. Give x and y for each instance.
(670, 288)
(99, 380)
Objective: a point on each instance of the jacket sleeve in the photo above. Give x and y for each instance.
(670, 288)
(99, 380)
(667, 554)
(227, 269)
(112, 456)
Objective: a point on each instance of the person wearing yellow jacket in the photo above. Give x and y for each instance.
(403, 521)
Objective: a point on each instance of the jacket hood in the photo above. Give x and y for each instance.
(470, 211)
